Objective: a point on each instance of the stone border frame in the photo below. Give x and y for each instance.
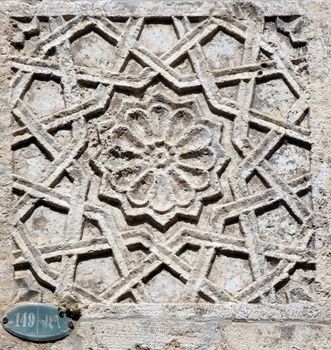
(320, 125)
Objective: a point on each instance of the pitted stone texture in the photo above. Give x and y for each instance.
(161, 161)
(168, 152)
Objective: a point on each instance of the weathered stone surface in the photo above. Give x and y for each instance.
(165, 165)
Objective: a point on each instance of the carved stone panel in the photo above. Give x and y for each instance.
(173, 158)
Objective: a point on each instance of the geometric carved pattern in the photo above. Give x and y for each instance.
(162, 161)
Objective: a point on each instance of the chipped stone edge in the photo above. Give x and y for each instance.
(162, 8)
(212, 312)
(321, 159)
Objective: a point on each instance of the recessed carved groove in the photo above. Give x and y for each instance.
(162, 159)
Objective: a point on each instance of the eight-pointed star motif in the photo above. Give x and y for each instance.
(160, 159)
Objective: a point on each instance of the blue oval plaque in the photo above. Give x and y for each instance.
(37, 322)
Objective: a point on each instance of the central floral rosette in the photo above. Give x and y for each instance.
(160, 159)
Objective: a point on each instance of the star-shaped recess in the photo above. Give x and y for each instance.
(167, 254)
(159, 158)
(190, 256)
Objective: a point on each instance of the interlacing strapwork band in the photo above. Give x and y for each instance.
(162, 160)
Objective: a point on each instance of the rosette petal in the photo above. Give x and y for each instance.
(123, 139)
(140, 192)
(197, 138)
(122, 178)
(140, 125)
(203, 158)
(159, 117)
(182, 190)
(198, 178)
(162, 197)
(181, 121)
